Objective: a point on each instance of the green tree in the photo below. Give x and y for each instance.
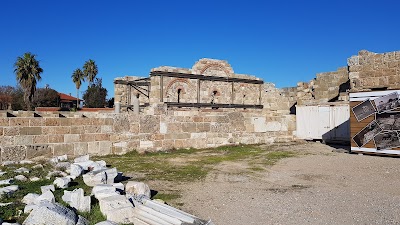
(28, 70)
(90, 71)
(18, 99)
(77, 78)
(45, 97)
(110, 102)
(95, 95)
(6, 97)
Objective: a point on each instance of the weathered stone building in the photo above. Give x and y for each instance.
(207, 105)
(209, 82)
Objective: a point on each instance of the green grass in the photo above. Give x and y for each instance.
(182, 165)
(167, 197)
(195, 163)
(95, 215)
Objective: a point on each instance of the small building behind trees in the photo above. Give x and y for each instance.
(67, 102)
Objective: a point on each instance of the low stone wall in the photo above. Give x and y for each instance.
(29, 137)
(156, 129)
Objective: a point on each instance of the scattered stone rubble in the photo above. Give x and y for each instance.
(119, 203)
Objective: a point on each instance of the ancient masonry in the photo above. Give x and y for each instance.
(206, 106)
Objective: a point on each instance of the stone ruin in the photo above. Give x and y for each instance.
(208, 105)
(208, 83)
(120, 203)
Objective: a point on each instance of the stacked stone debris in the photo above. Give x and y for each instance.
(326, 87)
(119, 203)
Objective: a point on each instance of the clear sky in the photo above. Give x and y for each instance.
(282, 41)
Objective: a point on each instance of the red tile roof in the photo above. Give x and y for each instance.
(66, 98)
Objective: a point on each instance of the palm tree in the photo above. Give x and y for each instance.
(28, 72)
(90, 70)
(77, 78)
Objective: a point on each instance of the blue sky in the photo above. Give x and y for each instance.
(280, 41)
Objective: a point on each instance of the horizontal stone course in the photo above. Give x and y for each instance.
(30, 131)
(120, 133)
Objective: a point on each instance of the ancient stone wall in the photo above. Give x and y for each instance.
(29, 137)
(369, 71)
(276, 99)
(248, 94)
(326, 87)
(185, 89)
(158, 128)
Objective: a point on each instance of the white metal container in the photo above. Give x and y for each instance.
(325, 122)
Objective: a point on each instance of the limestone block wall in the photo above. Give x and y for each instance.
(218, 92)
(202, 128)
(158, 128)
(173, 87)
(291, 94)
(326, 87)
(370, 70)
(248, 94)
(29, 137)
(275, 99)
(155, 89)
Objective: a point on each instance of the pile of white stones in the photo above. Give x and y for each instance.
(119, 203)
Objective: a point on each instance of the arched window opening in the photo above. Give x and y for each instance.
(213, 94)
(179, 95)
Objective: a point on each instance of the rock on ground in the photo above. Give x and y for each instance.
(22, 170)
(34, 178)
(83, 158)
(62, 165)
(47, 196)
(47, 188)
(7, 163)
(38, 166)
(76, 170)
(111, 175)
(137, 188)
(30, 198)
(79, 201)
(49, 213)
(26, 162)
(82, 221)
(20, 178)
(5, 182)
(9, 190)
(91, 179)
(117, 209)
(62, 182)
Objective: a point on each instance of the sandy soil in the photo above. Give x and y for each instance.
(320, 187)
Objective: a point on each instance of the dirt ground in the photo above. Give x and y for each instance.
(320, 186)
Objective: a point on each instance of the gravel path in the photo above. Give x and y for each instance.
(321, 187)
